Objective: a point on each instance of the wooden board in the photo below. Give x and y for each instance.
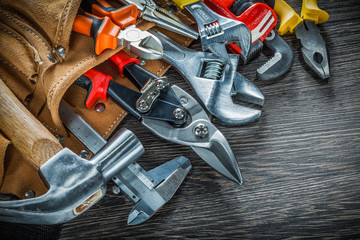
(300, 162)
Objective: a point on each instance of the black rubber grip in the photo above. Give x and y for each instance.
(239, 7)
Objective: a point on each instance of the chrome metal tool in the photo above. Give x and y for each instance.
(149, 191)
(151, 12)
(313, 45)
(215, 82)
(167, 109)
(216, 31)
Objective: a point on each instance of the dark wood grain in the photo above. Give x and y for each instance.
(300, 161)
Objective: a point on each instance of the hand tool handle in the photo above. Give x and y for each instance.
(183, 3)
(120, 60)
(34, 142)
(102, 30)
(96, 83)
(311, 11)
(289, 19)
(122, 17)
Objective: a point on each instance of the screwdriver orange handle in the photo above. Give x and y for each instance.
(102, 30)
(122, 17)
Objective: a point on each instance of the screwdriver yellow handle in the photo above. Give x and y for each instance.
(289, 19)
(182, 3)
(311, 11)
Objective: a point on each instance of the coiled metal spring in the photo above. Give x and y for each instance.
(212, 29)
(213, 70)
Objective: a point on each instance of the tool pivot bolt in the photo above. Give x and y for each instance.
(160, 84)
(179, 113)
(143, 105)
(116, 190)
(201, 130)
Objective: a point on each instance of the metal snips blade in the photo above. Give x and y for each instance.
(151, 12)
(201, 135)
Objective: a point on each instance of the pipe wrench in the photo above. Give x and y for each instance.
(260, 19)
(216, 31)
(215, 82)
(167, 111)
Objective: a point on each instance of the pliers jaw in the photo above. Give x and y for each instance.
(313, 48)
(151, 12)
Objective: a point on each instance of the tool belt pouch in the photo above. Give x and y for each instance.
(40, 58)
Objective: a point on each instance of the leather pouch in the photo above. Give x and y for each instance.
(39, 61)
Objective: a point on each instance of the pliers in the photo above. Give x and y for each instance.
(313, 45)
(216, 31)
(165, 110)
(151, 12)
(111, 27)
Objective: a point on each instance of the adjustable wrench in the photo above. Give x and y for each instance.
(215, 30)
(215, 82)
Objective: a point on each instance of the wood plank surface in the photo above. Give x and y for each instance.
(300, 161)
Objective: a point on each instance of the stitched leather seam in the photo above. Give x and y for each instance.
(27, 29)
(65, 13)
(111, 126)
(14, 67)
(65, 75)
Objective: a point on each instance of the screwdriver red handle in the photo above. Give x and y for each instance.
(102, 30)
(122, 17)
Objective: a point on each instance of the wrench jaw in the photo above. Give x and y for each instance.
(213, 81)
(246, 91)
(216, 30)
(280, 63)
(313, 48)
(167, 178)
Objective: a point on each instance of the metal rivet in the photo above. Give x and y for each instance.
(143, 105)
(142, 61)
(160, 84)
(61, 51)
(201, 130)
(59, 138)
(179, 113)
(84, 154)
(29, 194)
(116, 189)
(172, 9)
(51, 57)
(100, 107)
